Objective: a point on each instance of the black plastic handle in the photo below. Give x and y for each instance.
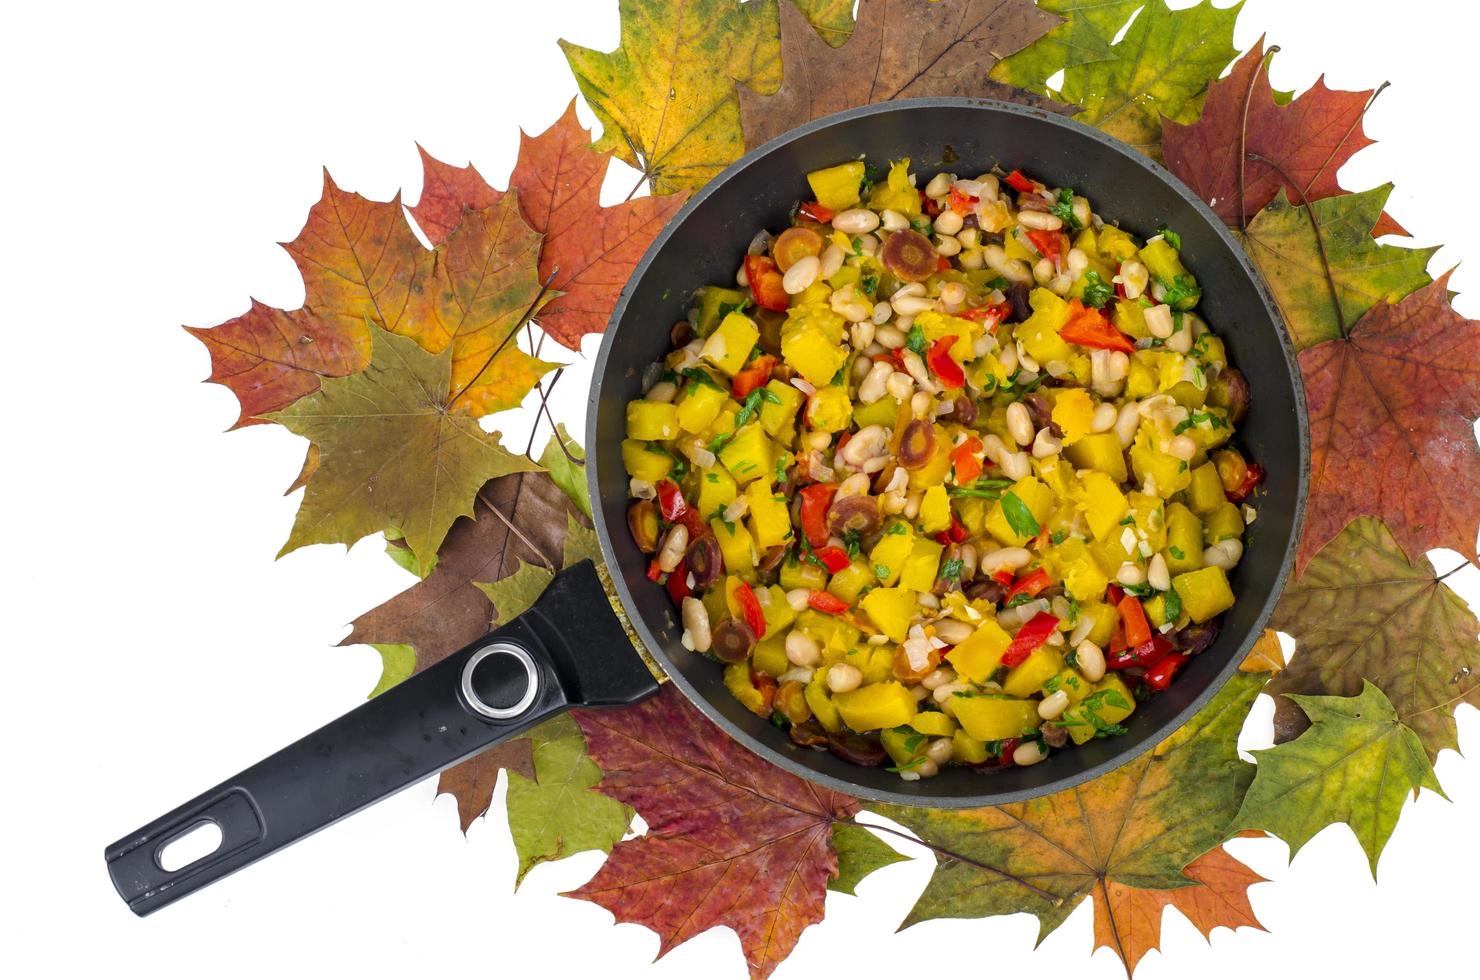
(568, 651)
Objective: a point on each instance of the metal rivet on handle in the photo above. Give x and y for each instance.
(531, 690)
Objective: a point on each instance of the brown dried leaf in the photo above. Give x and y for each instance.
(446, 192)
(1266, 656)
(472, 782)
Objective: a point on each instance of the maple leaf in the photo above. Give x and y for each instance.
(957, 40)
(513, 594)
(731, 840)
(1355, 765)
(1246, 146)
(1139, 825)
(589, 250)
(1391, 406)
(1160, 68)
(1361, 613)
(860, 853)
(391, 455)
(555, 812)
(471, 783)
(1266, 656)
(666, 96)
(1128, 920)
(1086, 35)
(831, 19)
(446, 192)
(1324, 281)
(566, 467)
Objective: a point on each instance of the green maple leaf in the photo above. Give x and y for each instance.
(1361, 613)
(559, 813)
(1085, 36)
(1355, 765)
(392, 456)
(568, 476)
(831, 19)
(1160, 68)
(513, 594)
(1282, 241)
(860, 854)
(666, 96)
(1139, 825)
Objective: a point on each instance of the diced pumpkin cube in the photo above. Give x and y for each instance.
(888, 556)
(736, 547)
(818, 292)
(977, 657)
(737, 679)
(646, 464)
(651, 420)
(1165, 265)
(1166, 472)
(821, 703)
(1031, 674)
(922, 565)
(1071, 682)
(776, 415)
(936, 467)
(875, 706)
(748, 455)
(936, 724)
(1110, 703)
(836, 188)
(890, 610)
(716, 489)
(1039, 334)
(882, 412)
(1184, 552)
(1130, 319)
(973, 513)
(1033, 495)
(896, 192)
(1205, 593)
(713, 303)
(829, 409)
(1102, 502)
(849, 582)
(770, 520)
(1115, 245)
(991, 719)
(1223, 522)
(1100, 451)
(905, 746)
(935, 510)
(729, 346)
(1204, 489)
(967, 750)
(802, 574)
(770, 656)
(699, 405)
(1104, 617)
(777, 611)
(1073, 411)
(814, 356)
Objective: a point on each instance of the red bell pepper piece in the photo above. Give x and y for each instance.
(1009, 746)
(654, 573)
(1114, 593)
(1148, 654)
(816, 212)
(670, 501)
(826, 602)
(987, 316)
(942, 264)
(750, 608)
(967, 466)
(1159, 677)
(1029, 585)
(1050, 244)
(929, 204)
(1133, 617)
(1003, 577)
(835, 558)
(1252, 479)
(678, 582)
(958, 532)
(962, 204)
(944, 366)
(1030, 637)
(752, 376)
(1021, 183)
(816, 499)
(1088, 328)
(765, 283)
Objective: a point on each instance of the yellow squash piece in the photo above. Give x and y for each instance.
(890, 610)
(1111, 702)
(749, 454)
(716, 489)
(830, 409)
(1031, 674)
(935, 510)
(645, 464)
(651, 420)
(770, 520)
(1102, 502)
(977, 657)
(1073, 411)
(836, 188)
(730, 344)
(1038, 500)
(1100, 451)
(876, 706)
(812, 343)
(922, 565)
(1205, 593)
(991, 719)
(736, 547)
(777, 415)
(888, 556)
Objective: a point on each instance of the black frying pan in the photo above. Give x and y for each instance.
(570, 650)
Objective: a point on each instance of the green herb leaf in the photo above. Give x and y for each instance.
(1019, 517)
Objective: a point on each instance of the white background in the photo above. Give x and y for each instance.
(153, 155)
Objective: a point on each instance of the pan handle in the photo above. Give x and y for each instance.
(568, 651)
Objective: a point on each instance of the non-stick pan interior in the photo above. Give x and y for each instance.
(705, 243)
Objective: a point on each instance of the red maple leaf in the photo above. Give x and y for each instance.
(1392, 407)
(589, 250)
(732, 840)
(1245, 138)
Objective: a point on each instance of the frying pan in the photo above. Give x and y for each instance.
(570, 649)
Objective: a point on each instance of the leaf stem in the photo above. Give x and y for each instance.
(544, 558)
(1047, 896)
(1243, 132)
(1460, 567)
(523, 318)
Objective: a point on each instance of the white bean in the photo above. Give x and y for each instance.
(798, 599)
(1040, 220)
(1159, 321)
(1081, 210)
(1016, 466)
(855, 221)
(1043, 271)
(948, 222)
(1127, 422)
(1019, 423)
(943, 694)
(641, 489)
(1090, 660)
(952, 631)
(921, 405)
(801, 275)
(862, 334)
(674, 546)
(696, 623)
(916, 369)
(939, 751)
(1130, 573)
(953, 296)
(1083, 628)
(937, 677)
(1225, 554)
(947, 245)
(866, 443)
(872, 387)
(894, 221)
(742, 279)
(868, 243)
(1008, 559)
(817, 440)
(802, 650)
(1061, 284)
(1078, 261)
(1046, 444)
(911, 305)
(1029, 753)
(663, 391)
(842, 678)
(1104, 418)
(940, 185)
(832, 260)
(969, 237)
(1133, 278)
(1053, 705)
(882, 312)
(1158, 576)
(1182, 447)
(892, 338)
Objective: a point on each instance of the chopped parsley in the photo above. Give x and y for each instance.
(1213, 419)
(882, 571)
(1064, 208)
(1097, 291)
(1128, 520)
(1019, 517)
(850, 542)
(869, 283)
(1173, 607)
(915, 340)
(951, 569)
(1173, 239)
(1058, 536)
(697, 377)
(989, 488)
(1177, 552)
(1141, 591)
(897, 528)
(1182, 288)
(719, 515)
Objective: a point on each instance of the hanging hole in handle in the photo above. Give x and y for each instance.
(190, 845)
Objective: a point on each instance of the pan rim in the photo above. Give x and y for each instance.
(1147, 741)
